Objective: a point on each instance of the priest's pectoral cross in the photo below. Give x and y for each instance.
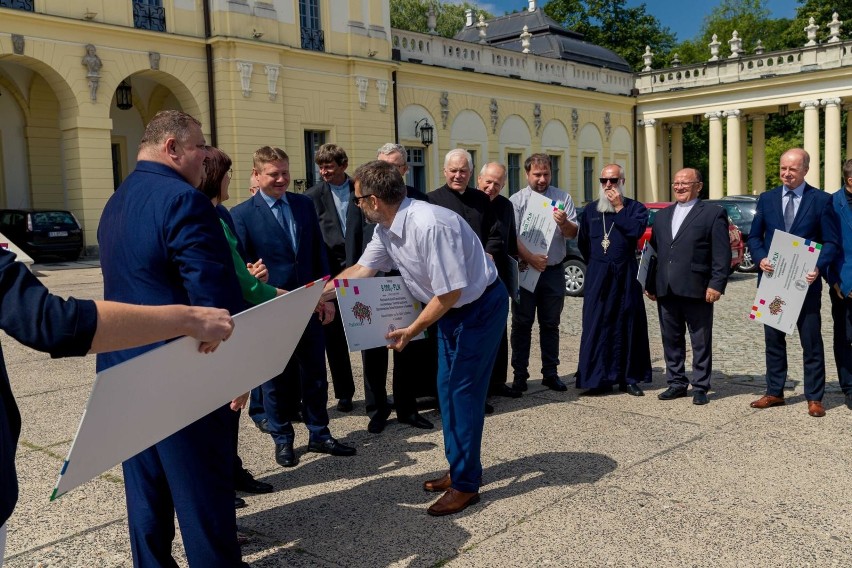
(605, 243)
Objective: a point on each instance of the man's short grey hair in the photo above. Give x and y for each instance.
(491, 164)
(390, 148)
(459, 152)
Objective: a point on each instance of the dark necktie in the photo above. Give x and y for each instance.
(278, 207)
(789, 210)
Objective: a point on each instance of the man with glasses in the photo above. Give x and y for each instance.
(693, 264)
(549, 297)
(798, 208)
(415, 368)
(282, 228)
(614, 344)
(444, 266)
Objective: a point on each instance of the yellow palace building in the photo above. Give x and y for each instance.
(79, 79)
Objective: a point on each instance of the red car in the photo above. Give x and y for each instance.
(736, 238)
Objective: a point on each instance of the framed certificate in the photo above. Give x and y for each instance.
(370, 308)
(536, 231)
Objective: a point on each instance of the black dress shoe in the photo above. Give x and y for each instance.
(597, 391)
(263, 426)
(246, 483)
(520, 385)
(507, 391)
(699, 397)
(285, 456)
(344, 405)
(379, 420)
(632, 389)
(416, 420)
(672, 393)
(331, 446)
(489, 409)
(554, 383)
(239, 503)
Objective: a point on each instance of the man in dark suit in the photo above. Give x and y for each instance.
(416, 366)
(162, 243)
(840, 279)
(342, 227)
(693, 263)
(282, 228)
(805, 211)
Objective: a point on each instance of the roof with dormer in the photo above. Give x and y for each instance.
(549, 39)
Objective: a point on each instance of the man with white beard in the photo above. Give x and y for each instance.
(614, 344)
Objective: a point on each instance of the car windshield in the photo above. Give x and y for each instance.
(46, 220)
(651, 214)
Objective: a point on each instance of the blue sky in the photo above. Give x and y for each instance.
(684, 22)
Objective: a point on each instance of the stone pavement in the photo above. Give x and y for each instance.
(608, 481)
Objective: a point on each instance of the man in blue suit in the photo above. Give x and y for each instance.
(805, 211)
(840, 280)
(282, 228)
(161, 243)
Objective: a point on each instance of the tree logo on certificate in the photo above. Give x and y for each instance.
(775, 306)
(362, 312)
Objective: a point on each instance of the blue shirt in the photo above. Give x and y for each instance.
(341, 195)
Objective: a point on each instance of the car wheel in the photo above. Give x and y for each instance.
(575, 278)
(747, 265)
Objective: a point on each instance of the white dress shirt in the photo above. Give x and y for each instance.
(680, 213)
(435, 251)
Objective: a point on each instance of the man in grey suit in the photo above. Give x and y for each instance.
(693, 264)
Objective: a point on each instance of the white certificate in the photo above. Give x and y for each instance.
(781, 294)
(536, 232)
(370, 308)
(142, 401)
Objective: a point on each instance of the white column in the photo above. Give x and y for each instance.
(677, 147)
(666, 173)
(833, 175)
(758, 153)
(848, 108)
(735, 182)
(716, 163)
(744, 153)
(641, 191)
(651, 159)
(812, 140)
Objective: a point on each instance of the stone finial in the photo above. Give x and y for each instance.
(647, 58)
(736, 44)
(811, 30)
(714, 48)
(432, 20)
(531, 6)
(525, 39)
(834, 28)
(468, 18)
(758, 49)
(482, 26)
(675, 61)
(93, 66)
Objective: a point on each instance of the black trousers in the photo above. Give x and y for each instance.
(841, 314)
(677, 314)
(337, 352)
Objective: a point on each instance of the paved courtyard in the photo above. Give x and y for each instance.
(607, 481)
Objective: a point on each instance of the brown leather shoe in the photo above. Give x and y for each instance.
(452, 502)
(768, 401)
(438, 485)
(816, 409)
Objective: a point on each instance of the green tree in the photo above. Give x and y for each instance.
(450, 18)
(820, 10)
(611, 24)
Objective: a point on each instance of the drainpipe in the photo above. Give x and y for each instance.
(395, 109)
(635, 157)
(211, 92)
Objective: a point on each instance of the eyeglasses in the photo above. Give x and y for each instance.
(357, 199)
(684, 183)
(613, 181)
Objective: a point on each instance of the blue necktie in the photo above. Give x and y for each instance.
(278, 207)
(789, 210)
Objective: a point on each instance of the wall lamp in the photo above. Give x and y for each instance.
(424, 131)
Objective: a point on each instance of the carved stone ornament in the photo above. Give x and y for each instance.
(272, 72)
(607, 126)
(154, 60)
(245, 76)
(494, 115)
(575, 123)
(18, 44)
(383, 85)
(445, 108)
(537, 118)
(93, 66)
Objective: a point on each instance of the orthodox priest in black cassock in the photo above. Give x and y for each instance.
(614, 343)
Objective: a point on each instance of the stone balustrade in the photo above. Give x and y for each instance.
(444, 52)
(771, 64)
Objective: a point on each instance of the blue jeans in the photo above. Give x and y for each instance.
(468, 338)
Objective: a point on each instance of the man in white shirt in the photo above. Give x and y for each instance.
(443, 264)
(549, 296)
